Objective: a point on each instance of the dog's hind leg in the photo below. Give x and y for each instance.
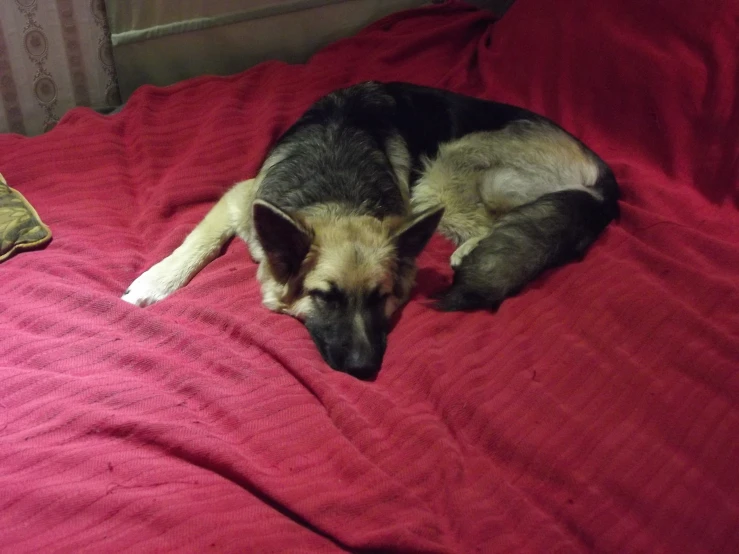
(230, 216)
(546, 197)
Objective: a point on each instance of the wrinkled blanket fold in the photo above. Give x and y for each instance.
(597, 411)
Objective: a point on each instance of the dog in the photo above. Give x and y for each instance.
(352, 192)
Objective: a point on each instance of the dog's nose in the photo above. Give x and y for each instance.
(362, 364)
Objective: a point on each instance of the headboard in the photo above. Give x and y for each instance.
(161, 42)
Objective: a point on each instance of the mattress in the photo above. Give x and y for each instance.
(597, 411)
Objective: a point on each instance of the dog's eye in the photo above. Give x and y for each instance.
(377, 297)
(326, 296)
(319, 294)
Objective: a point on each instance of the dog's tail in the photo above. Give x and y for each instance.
(554, 229)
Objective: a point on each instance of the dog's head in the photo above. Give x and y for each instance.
(343, 275)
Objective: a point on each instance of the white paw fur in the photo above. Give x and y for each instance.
(153, 285)
(465, 248)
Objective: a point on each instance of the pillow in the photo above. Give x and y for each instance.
(20, 226)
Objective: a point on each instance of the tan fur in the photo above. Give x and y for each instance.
(355, 252)
(241, 209)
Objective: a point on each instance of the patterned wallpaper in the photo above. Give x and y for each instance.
(54, 55)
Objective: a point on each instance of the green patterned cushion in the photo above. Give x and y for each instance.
(20, 226)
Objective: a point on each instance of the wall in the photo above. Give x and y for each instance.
(54, 55)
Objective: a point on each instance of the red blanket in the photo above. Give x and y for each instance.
(596, 411)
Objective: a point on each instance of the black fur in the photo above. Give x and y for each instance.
(335, 312)
(336, 153)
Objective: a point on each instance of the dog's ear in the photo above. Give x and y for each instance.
(285, 241)
(412, 237)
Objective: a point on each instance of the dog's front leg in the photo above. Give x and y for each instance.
(231, 215)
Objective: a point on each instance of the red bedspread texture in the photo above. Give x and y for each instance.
(596, 411)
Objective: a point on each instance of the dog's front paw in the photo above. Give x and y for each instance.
(151, 286)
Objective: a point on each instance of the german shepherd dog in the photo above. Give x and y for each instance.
(352, 192)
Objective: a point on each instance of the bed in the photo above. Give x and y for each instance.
(597, 411)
